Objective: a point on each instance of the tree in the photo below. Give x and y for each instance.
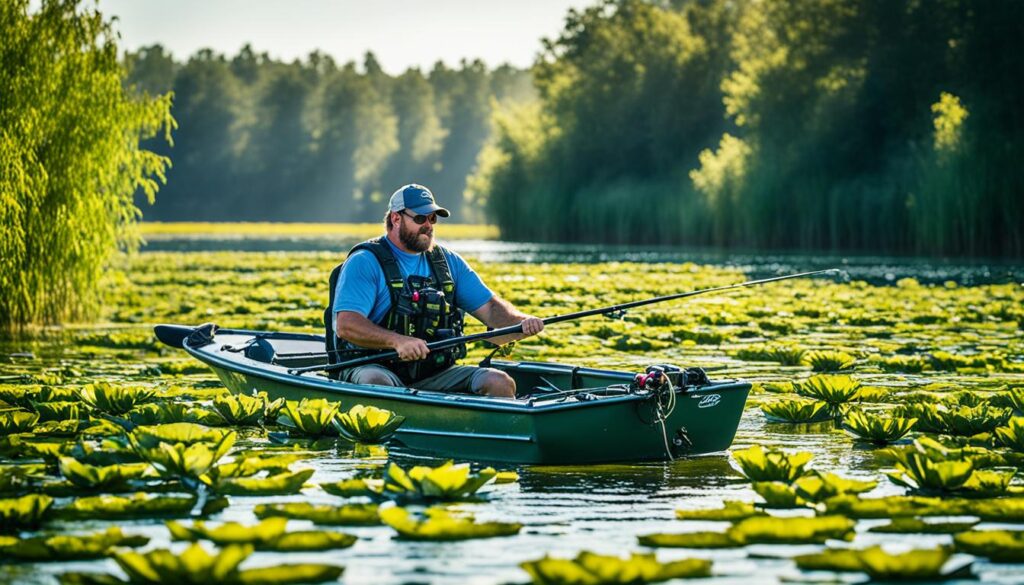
(70, 160)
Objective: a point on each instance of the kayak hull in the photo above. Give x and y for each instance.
(592, 417)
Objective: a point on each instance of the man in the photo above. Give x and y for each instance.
(401, 291)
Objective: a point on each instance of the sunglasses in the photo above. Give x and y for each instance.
(422, 219)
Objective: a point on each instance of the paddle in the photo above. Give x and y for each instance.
(518, 328)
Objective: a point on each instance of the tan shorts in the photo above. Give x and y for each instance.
(468, 379)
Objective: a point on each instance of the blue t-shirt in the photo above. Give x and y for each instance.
(363, 289)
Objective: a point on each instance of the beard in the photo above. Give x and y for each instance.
(414, 239)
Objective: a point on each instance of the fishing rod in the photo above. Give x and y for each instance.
(617, 310)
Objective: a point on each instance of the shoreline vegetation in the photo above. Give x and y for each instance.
(273, 230)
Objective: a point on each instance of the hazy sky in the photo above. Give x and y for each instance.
(401, 33)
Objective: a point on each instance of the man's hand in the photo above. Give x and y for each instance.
(411, 348)
(532, 326)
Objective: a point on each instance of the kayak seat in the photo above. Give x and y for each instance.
(285, 352)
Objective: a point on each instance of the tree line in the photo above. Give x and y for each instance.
(844, 125)
(312, 139)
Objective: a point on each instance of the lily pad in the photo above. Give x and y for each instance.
(282, 483)
(310, 417)
(195, 566)
(830, 559)
(730, 511)
(915, 565)
(92, 477)
(115, 400)
(61, 548)
(690, 540)
(185, 433)
(769, 529)
(442, 525)
(351, 488)
(24, 513)
(817, 487)
(918, 526)
(877, 430)
(446, 482)
(348, 515)
(795, 411)
(367, 424)
(1000, 546)
(590, 568)
(778, 494)
(139, 505)
(17, 421)
(760, 464)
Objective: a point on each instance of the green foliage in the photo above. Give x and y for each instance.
(70, 157)
(914, 565)
(241, 410)
(593, 569)
(310, 417)
(194, 566)
(116, 400)
(253, 127)
(829, 361)
(269, 534)
(804, 102)
(24, 513)
(139, 505)
(160, 413)
(966, 421)
(17, 421)
(916, 471)
(90, 477)
(730, 511)
(689, 540)
(834, 390)
(151, 436)
(817, 487)
(768, 529)
(1000, 546)
(348, 515)
(62, 548)
(282, 483)
(187, 462)
(795, 411)
(355, 487)
(446, 482)
(1012, 435)
(759, 464)
(918, 526)
(877, 429)
(368, 424)
(778, 494)
(440, 524)
(56, 411)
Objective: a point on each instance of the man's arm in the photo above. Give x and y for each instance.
(499, 313)
(359, 330)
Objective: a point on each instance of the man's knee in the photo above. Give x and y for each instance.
(498, 384)
(374, 377)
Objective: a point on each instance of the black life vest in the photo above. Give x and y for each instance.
(421, 307)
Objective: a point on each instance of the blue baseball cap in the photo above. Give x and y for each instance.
(417, 199)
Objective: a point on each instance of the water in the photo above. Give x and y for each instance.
(564, 510)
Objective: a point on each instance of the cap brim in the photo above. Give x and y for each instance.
(428, 209)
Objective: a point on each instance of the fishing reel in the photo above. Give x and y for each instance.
(658, 376)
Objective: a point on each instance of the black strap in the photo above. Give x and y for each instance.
(381, 250)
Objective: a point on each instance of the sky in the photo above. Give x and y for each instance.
(401, 33)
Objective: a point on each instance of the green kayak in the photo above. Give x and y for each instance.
(564, 414)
